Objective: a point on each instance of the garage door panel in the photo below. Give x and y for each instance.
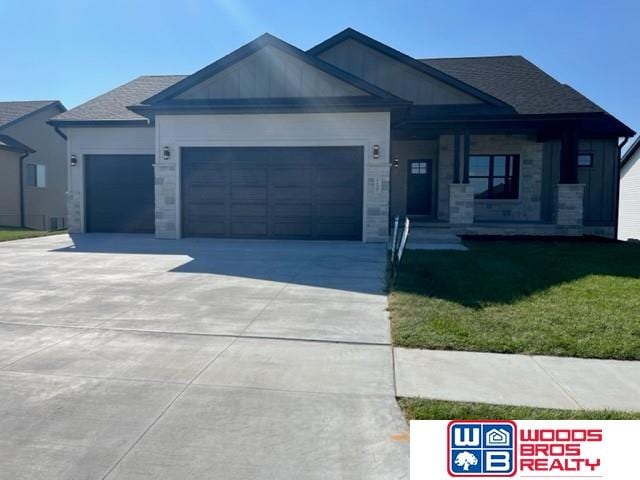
(293, 210)
(249, 177)
(207, 194)
(249, 229)
(336, 210)
(119, 193)
(290, 195)
(292, 229)
(335, 195)
(335, 177)
(219, 209)
(251, 210)
(209, 225)
(283, 192)
(291, 177)
(248, 194)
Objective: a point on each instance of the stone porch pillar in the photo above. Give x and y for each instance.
(568, 204)
(165, 191)
(461, 203)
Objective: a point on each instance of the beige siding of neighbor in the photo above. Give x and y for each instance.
(270, 73)
(9, 188)
(393, 76)
(629, 227)
(40, 204)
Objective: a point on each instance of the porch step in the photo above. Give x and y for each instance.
(439, 235)
(438, 238)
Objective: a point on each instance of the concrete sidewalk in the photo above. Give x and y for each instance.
(539, 381)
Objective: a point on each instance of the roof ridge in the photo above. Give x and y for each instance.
(163, 75)
(471, 56)
(29, 101)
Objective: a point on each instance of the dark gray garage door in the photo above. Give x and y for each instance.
(119, 193)
(292, 192)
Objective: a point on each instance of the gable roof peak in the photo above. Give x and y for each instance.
(266, 39)
(351, 33)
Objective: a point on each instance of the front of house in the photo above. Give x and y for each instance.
(332, 143)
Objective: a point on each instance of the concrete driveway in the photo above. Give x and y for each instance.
(125, 357)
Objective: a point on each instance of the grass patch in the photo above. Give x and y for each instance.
(568, 298)
(423, 409)
(16, 233)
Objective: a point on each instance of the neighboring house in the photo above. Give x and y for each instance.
(272, 141)
(630, 193)
(12, 153)
(44, 171)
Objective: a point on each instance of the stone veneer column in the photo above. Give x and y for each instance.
(165, 191)
(377, 201)
(461, 203)
(568, 204)
(74, 212)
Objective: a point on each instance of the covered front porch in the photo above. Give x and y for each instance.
(505, 180)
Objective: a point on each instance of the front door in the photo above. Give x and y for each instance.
(419, 182)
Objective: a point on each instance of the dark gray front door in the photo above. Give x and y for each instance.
(279, 192)
(419, 187)
(119, 193)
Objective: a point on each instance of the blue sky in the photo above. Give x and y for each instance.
(73, 50)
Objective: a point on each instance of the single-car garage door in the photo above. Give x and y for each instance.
(119, 193)
(277, 192)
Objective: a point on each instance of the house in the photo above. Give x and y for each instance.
(33, 188)
(331, 143)
(630, 193)
(12, 153)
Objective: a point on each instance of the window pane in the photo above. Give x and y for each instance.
(499, 188)
(418, 168)
(585, 160)
(31, 175)
(41, 176)
(479, 165)
(480, 187)
(500, 165)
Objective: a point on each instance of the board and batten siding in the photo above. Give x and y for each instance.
(629, 226)
(270, 73)
(393, 76)
(600, 180)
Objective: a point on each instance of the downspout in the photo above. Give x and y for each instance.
(59, 132)
(21, 169)
(617, 209)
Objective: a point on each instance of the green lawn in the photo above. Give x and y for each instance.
(572, 298)
(422, 409)
(16, 233)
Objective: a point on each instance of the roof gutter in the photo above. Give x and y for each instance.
(619, 168)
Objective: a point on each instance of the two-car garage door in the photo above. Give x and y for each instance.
(278, 192)
(257, 192)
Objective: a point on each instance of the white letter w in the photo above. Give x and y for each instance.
(471, 437)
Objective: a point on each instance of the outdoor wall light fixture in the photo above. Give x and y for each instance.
(376, 152)
(74, 160)
(166, 153)
(395, 162)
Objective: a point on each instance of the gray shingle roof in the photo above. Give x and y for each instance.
(512, 79)
(113, 104)
(12, 111)
(518, 82)
(10, 143)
